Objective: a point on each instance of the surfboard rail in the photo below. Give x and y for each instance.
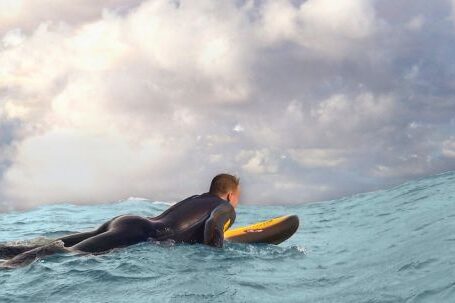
(272, 231)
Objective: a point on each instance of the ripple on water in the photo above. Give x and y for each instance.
(417, 265)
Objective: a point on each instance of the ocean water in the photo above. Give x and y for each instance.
(394, 245)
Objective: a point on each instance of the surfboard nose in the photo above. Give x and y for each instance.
(294, 222)
(286, 229)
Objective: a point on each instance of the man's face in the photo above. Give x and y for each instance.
(234, 196)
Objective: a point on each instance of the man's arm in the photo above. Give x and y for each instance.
(219, 221)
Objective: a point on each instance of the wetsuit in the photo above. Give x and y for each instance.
(197, 219)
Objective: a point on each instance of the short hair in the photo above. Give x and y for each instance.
(223, 183)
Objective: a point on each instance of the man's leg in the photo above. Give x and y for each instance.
(100, 243)
(31, 255)
(10, 251)
(108, 240)
(74, 239)
(61, 245)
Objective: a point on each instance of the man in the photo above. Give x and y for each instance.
(197, 219)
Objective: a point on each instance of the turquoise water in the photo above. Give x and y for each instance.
(395, 245)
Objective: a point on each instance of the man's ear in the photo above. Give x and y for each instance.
(228, 197)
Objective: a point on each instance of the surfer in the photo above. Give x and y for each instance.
(198, 219)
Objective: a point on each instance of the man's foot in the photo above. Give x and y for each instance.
(29, 256)
(10, 251)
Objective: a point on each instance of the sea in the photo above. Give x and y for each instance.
(392, 245)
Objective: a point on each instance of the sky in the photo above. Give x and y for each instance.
(303, 100)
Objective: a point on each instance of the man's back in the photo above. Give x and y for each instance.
(185, 221)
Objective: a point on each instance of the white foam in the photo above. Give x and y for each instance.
(164, 203)
(137, 198)
(301, 249)
(31, 242)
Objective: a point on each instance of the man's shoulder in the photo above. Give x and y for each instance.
(204, 197)
(206, 201)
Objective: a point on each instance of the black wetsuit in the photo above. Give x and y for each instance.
(197, 219)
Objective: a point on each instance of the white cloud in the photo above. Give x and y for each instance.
(104, 100)
(29, 14)
(330, 28)
(279, 21)
(238, 128)
(343, 113)
(448, 148)
(208, 43)
(416, 23)
(258, 161)
(13, 38)
(452, 2)
(66, 165)
(315, 157)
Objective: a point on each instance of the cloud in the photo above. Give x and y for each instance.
(416, 23)
(258, 162)
(73, 167)
(318, 157)
(328, 28)
(448, 148)
(304, 100)
(28, 15)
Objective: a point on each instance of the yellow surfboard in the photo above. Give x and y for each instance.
(273, 231)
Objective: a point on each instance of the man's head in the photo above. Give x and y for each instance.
(226, 187)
